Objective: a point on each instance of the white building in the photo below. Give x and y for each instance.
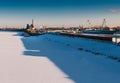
(116, 37)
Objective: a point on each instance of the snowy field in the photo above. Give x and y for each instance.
(57, 59)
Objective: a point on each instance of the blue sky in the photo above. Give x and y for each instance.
(59, 12)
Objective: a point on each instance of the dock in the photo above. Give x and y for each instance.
(103, 37)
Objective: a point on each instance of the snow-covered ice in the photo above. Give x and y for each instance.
(57, 59)
(17, 68)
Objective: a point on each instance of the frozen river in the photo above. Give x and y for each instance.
(56, 59)
(17, 68)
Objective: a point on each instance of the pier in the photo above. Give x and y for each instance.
(103, 37)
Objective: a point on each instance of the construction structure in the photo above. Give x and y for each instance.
(88, 25)
(104, 25)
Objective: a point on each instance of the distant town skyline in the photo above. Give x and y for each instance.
(59, 12)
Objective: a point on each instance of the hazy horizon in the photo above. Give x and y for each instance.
(59, 12)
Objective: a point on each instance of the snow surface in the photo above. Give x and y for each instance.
(57, 59)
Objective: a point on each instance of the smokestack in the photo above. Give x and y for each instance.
(32, 23)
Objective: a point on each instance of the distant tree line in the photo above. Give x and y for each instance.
(12, 29)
